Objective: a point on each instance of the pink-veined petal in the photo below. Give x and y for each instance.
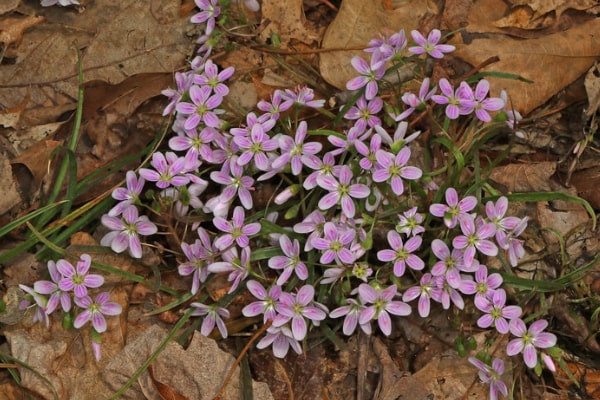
(530, 356)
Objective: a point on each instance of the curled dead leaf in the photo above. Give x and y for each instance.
(12, 29)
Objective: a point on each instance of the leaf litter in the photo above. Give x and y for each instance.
(130, 49)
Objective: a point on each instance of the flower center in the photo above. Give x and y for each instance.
(78, 279)
(201, 109)
(256, 147)
(130, 229)
(481, 288)
(335, 245)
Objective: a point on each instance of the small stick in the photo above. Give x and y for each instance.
(221, 392)
(329, 4)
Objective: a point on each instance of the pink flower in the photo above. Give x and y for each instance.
(199, 254)
(484, 284)
(290, 262)
(295, 151)
(430, 45)
(196, 142)
(512, 116)
(369, 161)
(57, 295)
(528, 339)
(95, 310)
(126, 231)
(495, 214)
(455, 210)
(347, 140)
(387, 47)
(455, 104)
(236, 183)
(446, 294)
(474, 238)
(77, 279)
(214, 79)
(382, 304)
(496, 312)
(491, 374)
(200, 109)
(415, 102)
(402, 254)
(394, 169)
(238, 266)
(168, 169)
(184, 81)
(266, 301)
(281, 338)
(213, 317)
(255, 147)
(449, 264)
(365, 113)
(40, 304)
(209, 11)
(127, 196)
(235, 230)
(326, 166)
(335, 244)
(425, 291)
(351, 314)
(369, 75)
(483, 104)
(313, 224)
(302, 96)
(341, 191)
(399, 140)
(409, 222)
(276, 106)
(509, 240)
(297, 308)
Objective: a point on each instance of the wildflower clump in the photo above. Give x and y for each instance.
(68, 287)
(358, 222)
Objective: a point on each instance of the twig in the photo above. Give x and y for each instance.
(288, 52)
(485, 63)
(364, 345)
(329, 4)
(237, 361)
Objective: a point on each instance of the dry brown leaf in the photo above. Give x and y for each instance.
(592, 89)
(449, 376)
(196, 372)
(23, 139)
(12, 29)
(587, 183)
(356, 24)
(287, 20)
(566, 220)
(542, 7)
(520, 17)
(8, 5)
(551, 62)
(10, 195)
(392, 381)
(65, 357)
(522, 178)
(37, 158)
(165, 392)
(132, 37)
